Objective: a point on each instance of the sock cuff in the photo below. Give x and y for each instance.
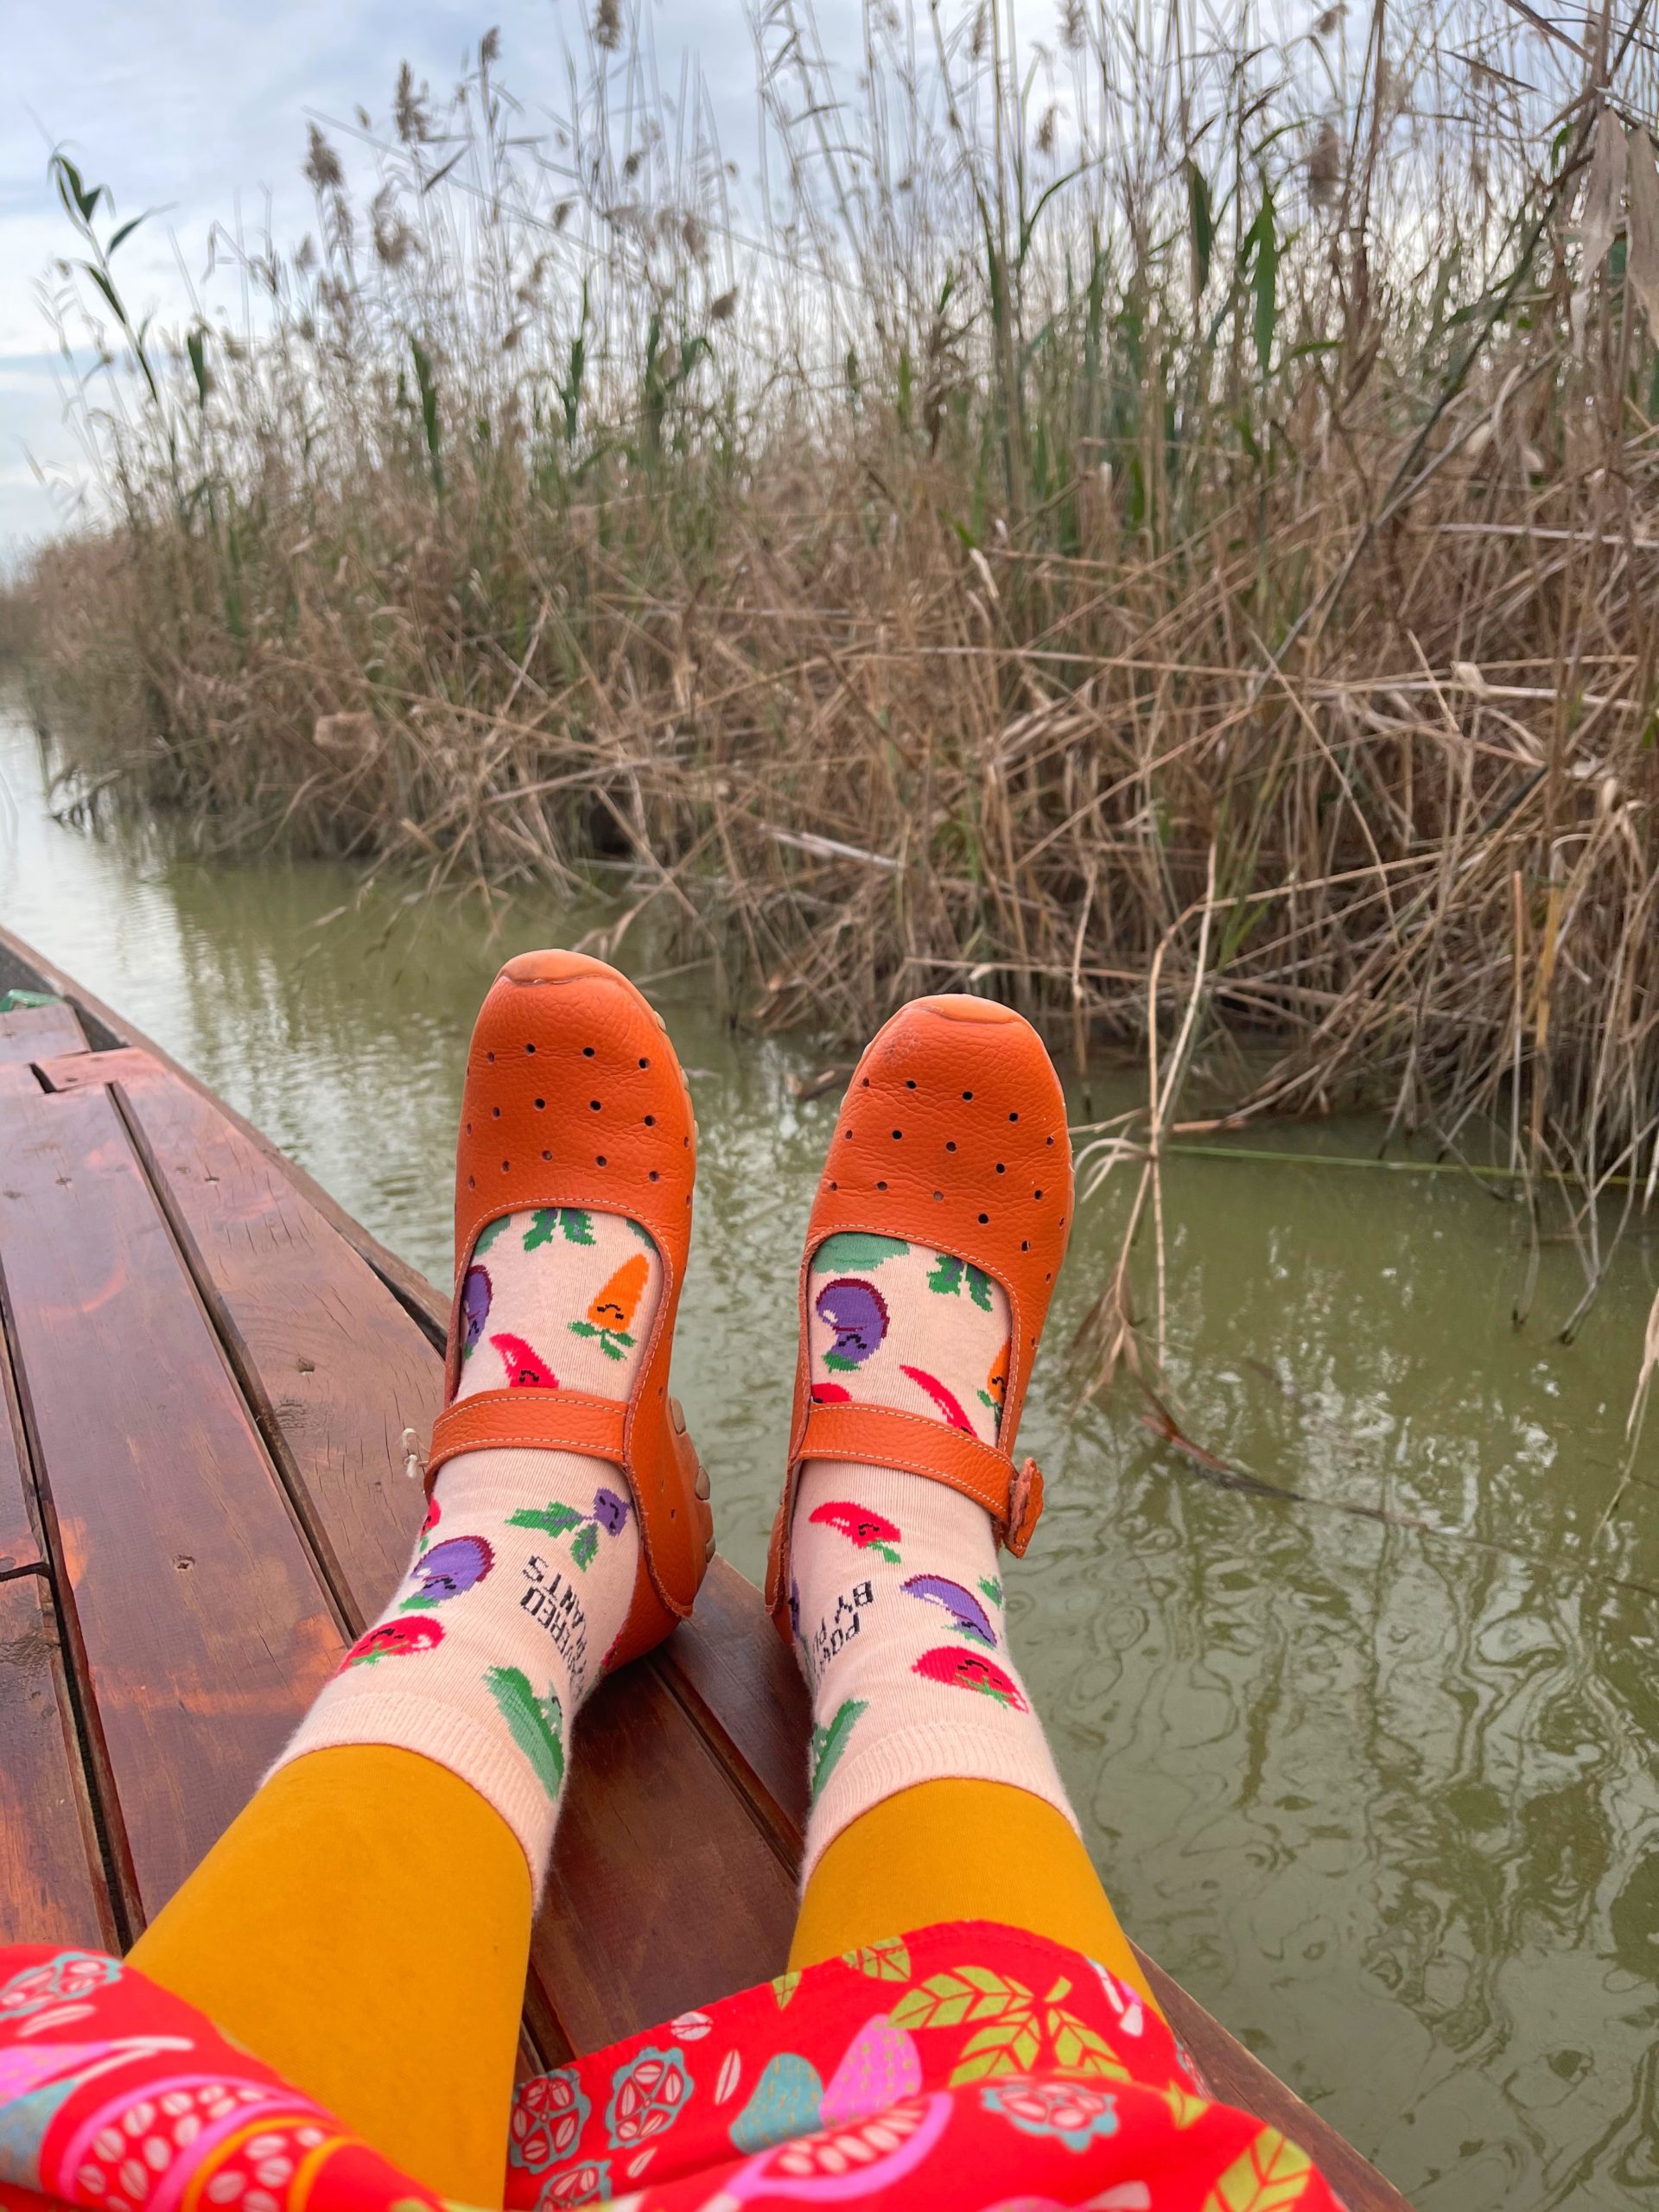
(470, 1745)
(907, 1756)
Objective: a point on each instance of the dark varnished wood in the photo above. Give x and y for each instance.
(730, 1668)
(52, 1888)
(21, 964)
(665, 1890)
(331, 1364)
(20, 1545)
(38, 1033)
(198, 1625)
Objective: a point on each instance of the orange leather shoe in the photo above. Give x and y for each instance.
(575, 1098)
(952, 1135)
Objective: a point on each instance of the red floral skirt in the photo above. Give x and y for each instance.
(966, 2068)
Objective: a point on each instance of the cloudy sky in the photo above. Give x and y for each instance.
(192, 108)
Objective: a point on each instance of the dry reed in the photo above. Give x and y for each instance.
(1162, 526)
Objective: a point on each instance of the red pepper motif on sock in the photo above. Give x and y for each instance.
(970, 1670)
(393, 1640)
(871, 1532)
(948, 1405)
(526, 1369)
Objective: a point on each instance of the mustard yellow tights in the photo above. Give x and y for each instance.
(362, 1879)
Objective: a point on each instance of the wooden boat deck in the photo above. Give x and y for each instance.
(208, 1368)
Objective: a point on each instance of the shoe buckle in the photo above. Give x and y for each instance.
(1025, 1507)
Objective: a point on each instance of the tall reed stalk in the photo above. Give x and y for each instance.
(1156, 519)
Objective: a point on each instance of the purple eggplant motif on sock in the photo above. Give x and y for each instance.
(858, 1314)
(968, 1616)
(610, 1511)
(970, 1670)
(474, 1309)
(457, 1564)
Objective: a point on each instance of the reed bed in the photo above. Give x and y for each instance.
(1151, 517)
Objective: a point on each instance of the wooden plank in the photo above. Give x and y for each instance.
(96, 1070)
(38, 1033)
(332, 1366)
(20, 1545)
(105, 1028)
(664, 1891)
(731, 1669)
(51, 1886)
(197, 1626)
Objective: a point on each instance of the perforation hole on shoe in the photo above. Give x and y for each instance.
(593, 1106)
(586, 1052)
(541, 1105)
(983, 1218)
(600, 1161)
(644, 1063)
(529, 1047)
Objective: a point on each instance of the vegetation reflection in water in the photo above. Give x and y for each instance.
(1371, 1773)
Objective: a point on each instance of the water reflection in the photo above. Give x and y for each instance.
(1372, 1773)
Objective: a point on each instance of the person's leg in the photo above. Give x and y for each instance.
(364, 1928)
(363, 1925)
(958, 1849)
(935, 1794)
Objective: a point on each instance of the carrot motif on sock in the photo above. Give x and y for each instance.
(611, 1314)
(970, 1670)
(996, 1385)
(968, 1616)
(393, 1640)
(949, 1406)
(871, 1532)
(474, 1308)
(858, 1314)
(526, 1369)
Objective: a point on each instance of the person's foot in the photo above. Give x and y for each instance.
(568, 1527)
(935, 1240)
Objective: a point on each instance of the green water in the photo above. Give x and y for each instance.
(1381, 1794)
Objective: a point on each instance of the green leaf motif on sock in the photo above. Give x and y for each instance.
(553, 1519)
(852, 1251)
(945, 1279)
(991, 1588)
(829, 1743)
(569, 1222)
(535, 1723)
(641, 1232)
(488, 1234)
(611, 1341)
(586, 1545)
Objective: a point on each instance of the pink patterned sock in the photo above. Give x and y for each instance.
(896, 1597)
(525, 1571)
